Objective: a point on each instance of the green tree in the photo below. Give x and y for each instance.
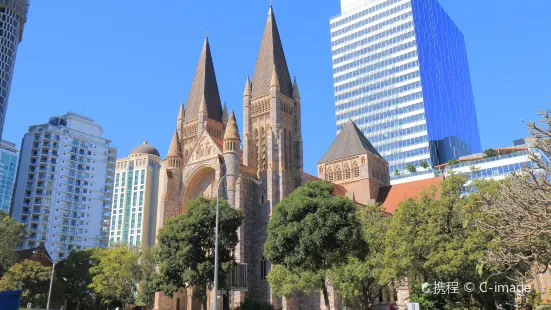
(11, 233)
(361, 281)
(287, 283)
(116, 275)
(74, 274)
(452, 162)
(396, 172)
(424, 164)
(312, 231)
(411, 168)
(186, 247)
(149, 260)
(490, 153)
(440, 240)
(250, 304)
(35, 280)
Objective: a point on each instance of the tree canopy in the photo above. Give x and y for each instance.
(186, 247)
(34, 278)
(11, 233)
(312, 231)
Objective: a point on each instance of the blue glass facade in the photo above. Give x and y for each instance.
(447, 92)
(401, 74)
(8, 165)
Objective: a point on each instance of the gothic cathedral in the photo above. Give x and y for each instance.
(207, 145)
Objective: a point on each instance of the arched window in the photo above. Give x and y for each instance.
(338, 173)
(363, 161)
(355, 170)
(346, 172)
(329, 175)
(321, 169)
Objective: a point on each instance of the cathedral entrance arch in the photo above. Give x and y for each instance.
(201, 182)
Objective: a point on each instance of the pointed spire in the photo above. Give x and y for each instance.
(275, 78)
(225, 114)
(174, 150)
(182, 112)
(205, 87)
(247, 87)
(232, 131)
(296, 93)
(271, 54)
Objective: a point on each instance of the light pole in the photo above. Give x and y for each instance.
(51, 279)
(215, 291)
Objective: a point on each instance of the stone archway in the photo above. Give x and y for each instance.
(201, 182)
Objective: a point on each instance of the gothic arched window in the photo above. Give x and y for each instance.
(363, 161)
(355, 169)
(338, 173)
(346, 172)
(329, 175)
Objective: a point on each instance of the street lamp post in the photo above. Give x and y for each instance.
(51, 279)
(215, 291)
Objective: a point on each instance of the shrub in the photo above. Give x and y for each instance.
(490, 153)
(453, 162)
(411, 168)
(250, 304)
(424, 164)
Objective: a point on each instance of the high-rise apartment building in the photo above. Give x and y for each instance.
(134, 214)
(13, 15)
(64, 185)
(401, 74)
(8, 164)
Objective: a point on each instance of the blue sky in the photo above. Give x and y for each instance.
(129, 64)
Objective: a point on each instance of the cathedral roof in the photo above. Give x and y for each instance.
(145, 148)
(349, 142)
(204, 85)
(175, 150)
(271, 55)
(232, 132)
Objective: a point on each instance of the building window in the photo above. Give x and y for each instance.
(363, 161)
(346, 171)
(355, 170)
(330, 175)
(338, 174)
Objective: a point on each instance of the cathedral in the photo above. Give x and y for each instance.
(207, 144)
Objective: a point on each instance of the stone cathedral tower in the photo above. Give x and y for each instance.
(206, 145)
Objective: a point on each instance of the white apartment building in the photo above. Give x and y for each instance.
(64, 185)
(134, 213)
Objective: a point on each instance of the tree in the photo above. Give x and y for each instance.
(396, 172)
(411, 168)
(452, 162)
(116, 275)
(424, 164)
(361, 281)
(250, 304)
(149, 260)
(438, 239)
(312, 231)
(186, 247)
(490, 153)
(35, 280)
(75, 274)
(11, 233)
(520, 216)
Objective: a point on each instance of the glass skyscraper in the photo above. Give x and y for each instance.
(401, 74)
(8, 164)
(13, 15)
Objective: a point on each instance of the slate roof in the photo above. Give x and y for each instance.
(204, 84)
(271, 54)
(349, 142)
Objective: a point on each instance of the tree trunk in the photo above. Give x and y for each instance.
(325, 295)
(204, 303)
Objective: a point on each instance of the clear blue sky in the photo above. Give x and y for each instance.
(131, 63)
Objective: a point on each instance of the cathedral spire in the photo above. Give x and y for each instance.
(225, 114)
(204, 86)
(247, 87)
(275, 78)
(296, 93)
(271, 54)
(182, 112)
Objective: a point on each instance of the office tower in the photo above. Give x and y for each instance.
(8, 164)
(13, 15)
(134, 213)
(401, 74)
(64, 185)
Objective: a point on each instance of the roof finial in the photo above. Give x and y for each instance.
(207, 34)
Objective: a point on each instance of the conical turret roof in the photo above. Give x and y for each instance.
(174, 150)
(232, 131)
